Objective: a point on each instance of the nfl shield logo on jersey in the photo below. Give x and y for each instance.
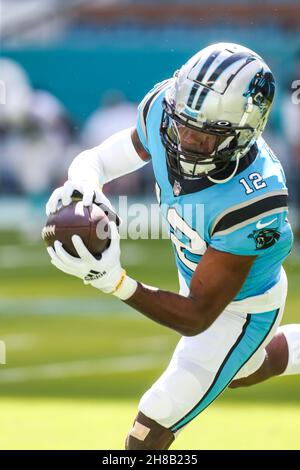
(177, 188)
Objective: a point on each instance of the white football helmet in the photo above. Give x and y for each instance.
(225, 90)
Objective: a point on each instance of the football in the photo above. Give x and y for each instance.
(90, 223)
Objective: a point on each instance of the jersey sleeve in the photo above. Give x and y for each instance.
(253, 229)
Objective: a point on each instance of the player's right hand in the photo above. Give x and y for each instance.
(104, 273)
(63, 196)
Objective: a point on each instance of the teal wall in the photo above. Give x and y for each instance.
(84, 64)
(79, 77)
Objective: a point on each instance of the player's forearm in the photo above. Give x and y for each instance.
(114, 157)
(182, 314)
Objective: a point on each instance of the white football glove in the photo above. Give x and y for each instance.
(105, 274)
(91, 192)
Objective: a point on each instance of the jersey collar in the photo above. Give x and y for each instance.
(183, 186)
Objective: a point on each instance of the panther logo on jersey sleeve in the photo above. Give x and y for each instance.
(265, 238)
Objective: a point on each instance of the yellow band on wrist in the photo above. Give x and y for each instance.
(126, 287)
(122, 279)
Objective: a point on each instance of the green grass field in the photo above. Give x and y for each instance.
(78, 362)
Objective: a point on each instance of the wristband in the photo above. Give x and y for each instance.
(125, 288)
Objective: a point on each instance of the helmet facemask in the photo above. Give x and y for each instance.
(223, 144)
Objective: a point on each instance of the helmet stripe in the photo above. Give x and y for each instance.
(217, 73)
(202, 73)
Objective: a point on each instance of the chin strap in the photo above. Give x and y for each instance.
(229, 177)
(242, 122)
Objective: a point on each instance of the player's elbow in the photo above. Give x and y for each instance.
(195, 328)
(192, 331)
(202, 315)
(200, 321)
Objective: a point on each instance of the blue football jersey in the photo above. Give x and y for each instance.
(245, 216)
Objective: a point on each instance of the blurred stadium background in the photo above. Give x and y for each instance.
(72, 73)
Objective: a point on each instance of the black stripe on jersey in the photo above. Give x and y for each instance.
(201, 75)
(216, 74)
(250, 211)
(150, 100)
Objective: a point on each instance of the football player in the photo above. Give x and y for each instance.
(202, 131)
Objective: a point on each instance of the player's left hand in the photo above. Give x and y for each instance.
(105, 274)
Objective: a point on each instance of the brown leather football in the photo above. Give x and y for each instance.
(90, 223)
